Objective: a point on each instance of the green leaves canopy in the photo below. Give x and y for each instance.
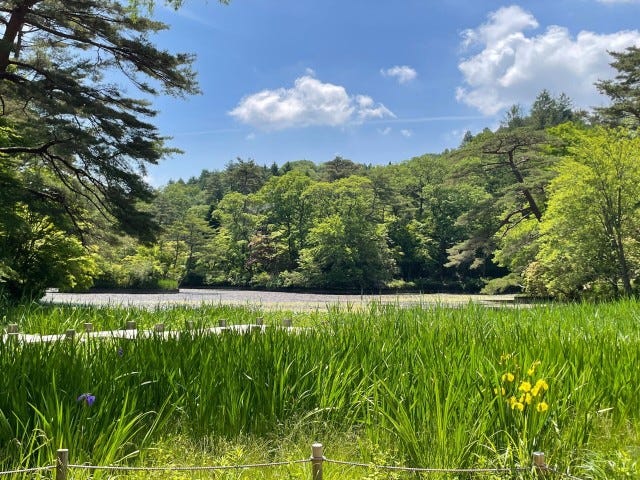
(589, 234)
(94, 142)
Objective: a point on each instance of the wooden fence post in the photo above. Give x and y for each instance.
(539, 463)
(159, 328)
(12, 329)
(131, 325)
(222, 323)
(88, 327)
(286, 322)
(62, 464)
(316, 461)
(70, 334)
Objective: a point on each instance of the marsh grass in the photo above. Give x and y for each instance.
(406, 386)
(47, 319)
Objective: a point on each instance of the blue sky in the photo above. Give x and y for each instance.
(370, 80)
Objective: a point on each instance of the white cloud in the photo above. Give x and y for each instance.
(503, 23)
(310, 102)
(403, 74)
(513, 68)
(384, 131)
(406, 133)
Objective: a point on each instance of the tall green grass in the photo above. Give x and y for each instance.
(48, 319)
(417, 384)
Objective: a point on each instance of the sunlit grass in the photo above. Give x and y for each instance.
(406, 386)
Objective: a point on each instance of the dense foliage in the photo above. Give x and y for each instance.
(548, 211)
(73, 148)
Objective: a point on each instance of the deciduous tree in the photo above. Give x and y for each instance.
(589, 233)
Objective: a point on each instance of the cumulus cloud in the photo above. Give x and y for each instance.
(501, 24)
(512, 67)
(309, 103)
(406, 133)
(403, 74)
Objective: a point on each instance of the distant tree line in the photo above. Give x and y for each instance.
(545, 205)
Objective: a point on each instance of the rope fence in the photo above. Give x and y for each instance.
(27, 470)
(317, 461)
(428, 470)
(122, 468)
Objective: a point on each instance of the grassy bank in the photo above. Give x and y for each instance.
(464, 387)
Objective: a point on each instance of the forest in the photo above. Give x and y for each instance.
(546, 204)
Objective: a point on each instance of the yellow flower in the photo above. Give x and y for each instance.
(535, 390)
(532, 370)
(512, 401)
(542, 407)
(541, 384)
(518, 406)
(525, 387)
(528, 398)
(499, 391)
(509, 377)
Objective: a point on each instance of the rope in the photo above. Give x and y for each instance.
(427, 470)
(28, 470)
(563, 474)
(279, 464)
(179, 469)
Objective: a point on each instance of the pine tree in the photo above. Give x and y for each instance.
(88, 142)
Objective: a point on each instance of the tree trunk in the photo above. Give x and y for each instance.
(11, 32)
(622, 263)
(533, 205)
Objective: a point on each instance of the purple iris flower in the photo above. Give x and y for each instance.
(87, 398)
(120, 351)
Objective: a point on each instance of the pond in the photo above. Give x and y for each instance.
(269, 300)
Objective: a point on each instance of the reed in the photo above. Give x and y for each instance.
(418, 386)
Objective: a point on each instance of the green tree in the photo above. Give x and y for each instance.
(36, 255)
(339, 168)
(517, 162)
(245, 176)
(513, 167)
(589, 234)
(83, 145)
(226, 256)
(182, 216)
(623, 90)
(548, 111)
(288, 211)
(54, 57)
(425, 224)
(346, 247)
(305, 166)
